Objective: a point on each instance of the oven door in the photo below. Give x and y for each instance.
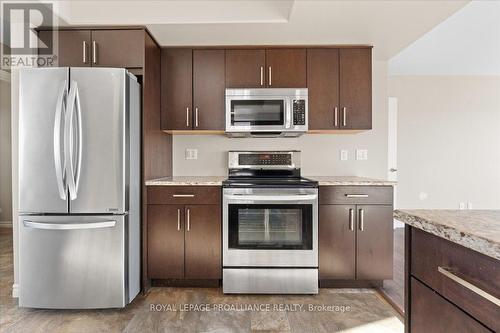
(270, 228)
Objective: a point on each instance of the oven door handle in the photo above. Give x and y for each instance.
(277, 197)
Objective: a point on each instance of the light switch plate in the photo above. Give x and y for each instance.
(191, 154)
(344, 154)
(361, 154)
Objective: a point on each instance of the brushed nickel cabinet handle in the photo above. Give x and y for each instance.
(94, 52)
(356, 195)
(187, 117)
(475, 289)
(351, 219)
(188, 217)
(361, 220)
(336, 117)
(270, 76)
(178, 219)
(84, 57)
(183, 195)
(344, 116)
(261, 75)
(195, 117)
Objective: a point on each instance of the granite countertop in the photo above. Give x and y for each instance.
(217, 181)
(187, 180)
(350, 181)
(478, 230)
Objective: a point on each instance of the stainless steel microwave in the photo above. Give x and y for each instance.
(266, 112)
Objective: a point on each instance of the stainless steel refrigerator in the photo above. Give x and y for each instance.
(79, 188)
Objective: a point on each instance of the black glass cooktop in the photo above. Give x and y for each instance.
(269, 182)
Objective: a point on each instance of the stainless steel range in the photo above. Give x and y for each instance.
(270, 225)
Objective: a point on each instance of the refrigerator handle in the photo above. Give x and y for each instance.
(73, 162)
(68, 226)
(60, 169)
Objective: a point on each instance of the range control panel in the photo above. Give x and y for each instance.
(265, 159)
(299, 112)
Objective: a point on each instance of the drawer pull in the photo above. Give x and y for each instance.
(183, 195)
(356, 195)
(449, 274)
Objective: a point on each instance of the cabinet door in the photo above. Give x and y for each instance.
(337, 241)
(429, 312)
(323, 86)
(245, 68)
(165, 242)
(286, 68)
(118, 48)
(374, 242)
(73, 47)
(177, 89)
(208, 89)
(356, 88)
(203, 242)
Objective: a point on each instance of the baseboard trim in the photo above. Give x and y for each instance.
(15, 290)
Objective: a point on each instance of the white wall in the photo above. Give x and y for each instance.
(448, 141)
(5, 151)
(320, 153)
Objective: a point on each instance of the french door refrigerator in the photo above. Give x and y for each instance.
(79, 186)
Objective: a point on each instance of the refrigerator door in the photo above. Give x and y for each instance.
(72, 262)
(97, 139)
(42, 106)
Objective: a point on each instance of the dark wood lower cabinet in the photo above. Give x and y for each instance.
(337, 242)
(184, 242)
(432, 313)
(355, 241)
(165, 242)
(203, 242)
(374, 246)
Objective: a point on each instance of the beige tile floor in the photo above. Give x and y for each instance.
(367, 311)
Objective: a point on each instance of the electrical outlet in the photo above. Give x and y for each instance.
(191, 154)
(461, 205)
(469, 205)
(361, 154)
(344, 154)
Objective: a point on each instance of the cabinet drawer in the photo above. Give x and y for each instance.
(202, 195)
(438, 263)
(343, 195)
(432, 313)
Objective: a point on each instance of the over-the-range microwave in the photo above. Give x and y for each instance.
(266, 112)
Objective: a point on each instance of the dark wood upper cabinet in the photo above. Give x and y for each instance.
(245, 68)
(165, 241)
(374, 242)
(286, 68)
(337, 242)
(208, 89)
(355, 88)
(117, 48)
(177, 89)
(73, 47)
(203, 242)
(323, 86)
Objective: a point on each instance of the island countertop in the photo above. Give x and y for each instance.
(217, 181)
(478, 230)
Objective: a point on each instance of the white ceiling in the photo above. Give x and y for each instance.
(467, 43)
(388, 25)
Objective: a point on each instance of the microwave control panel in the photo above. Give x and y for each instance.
(299, 112)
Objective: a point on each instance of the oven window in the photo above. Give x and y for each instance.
(257, 112)
(270, 227)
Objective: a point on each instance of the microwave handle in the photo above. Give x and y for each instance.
(288, 113)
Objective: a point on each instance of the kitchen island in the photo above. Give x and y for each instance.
(452, 270)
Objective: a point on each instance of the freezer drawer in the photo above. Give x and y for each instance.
(72, 262)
